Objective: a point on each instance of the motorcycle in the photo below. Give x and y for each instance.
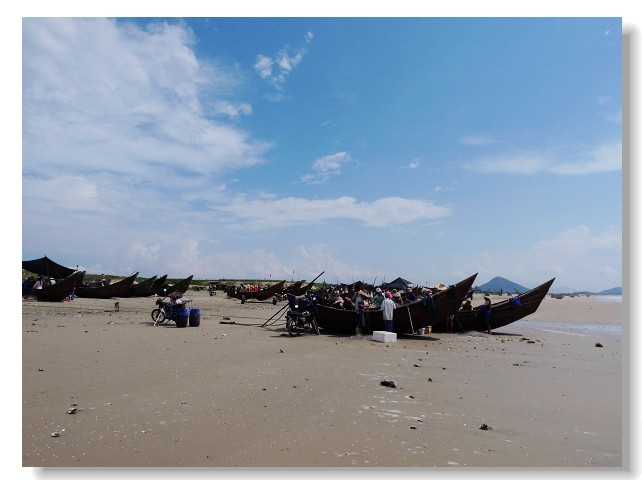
(301, 316)
(175, 309)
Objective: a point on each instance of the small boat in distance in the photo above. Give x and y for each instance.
(260, 295)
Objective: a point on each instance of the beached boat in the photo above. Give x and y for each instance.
(180, 287)
(260, 295)
(141, 289)
(502, 313)
(117, 289)
(157, 286)
(407, 318)
(295, 288)
(60, 290)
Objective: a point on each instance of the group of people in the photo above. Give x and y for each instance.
(30, 283)
(247, 288)
(360, 300)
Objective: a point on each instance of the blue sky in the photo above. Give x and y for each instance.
(427, 148)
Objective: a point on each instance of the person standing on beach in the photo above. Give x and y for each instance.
(388, 309)
(486, 309)
(360, 299)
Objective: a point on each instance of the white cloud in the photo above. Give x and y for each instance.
(225, 108)
(576, 257)
(327, 166)
(603, 158)
(263, 66)
(275, 213)
(99, 96)
(138, 251)
(414, 164)
(477, 140)
(275, 70)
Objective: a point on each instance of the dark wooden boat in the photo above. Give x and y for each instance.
(117, 289)
(406, 318)
(295, 288)
(60, 290)
(502, 313)
(157, 286)
(260, 295)
(180, 287)
(141, 289)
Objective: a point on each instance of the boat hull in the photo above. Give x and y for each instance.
(260, 295)
(406, 319)
(502, 313)
(118, 289)
(180, 287)
(60, 290)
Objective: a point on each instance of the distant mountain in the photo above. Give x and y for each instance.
(612, 291)
(499, 284)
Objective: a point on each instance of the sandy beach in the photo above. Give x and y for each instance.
(225, 395)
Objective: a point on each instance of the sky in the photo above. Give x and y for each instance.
(365, 148)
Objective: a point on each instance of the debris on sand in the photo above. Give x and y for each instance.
(485, 427)
(429, 379)
(598, 344)
(55, 434)
(389, 383)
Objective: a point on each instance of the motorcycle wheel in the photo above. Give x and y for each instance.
(291, 327)
(274, 301)
(316, 326)
(158, 315)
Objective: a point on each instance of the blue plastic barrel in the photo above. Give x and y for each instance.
(194, 317)
(182, 318)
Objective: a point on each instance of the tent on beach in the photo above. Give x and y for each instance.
(398, 283)
(47, 267)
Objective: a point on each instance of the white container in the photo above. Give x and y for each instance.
(422, 331)
(385, 337)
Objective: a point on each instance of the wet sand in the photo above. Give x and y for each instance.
(222, 395)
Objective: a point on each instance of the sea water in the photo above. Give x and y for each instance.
(581, 329)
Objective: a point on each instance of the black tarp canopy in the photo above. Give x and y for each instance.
(399, 283)
(47, 267)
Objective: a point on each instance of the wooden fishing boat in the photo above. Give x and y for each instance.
(260, 295)
(502, 313)
(141, 289)
(180, 287)
(117, 289)
(406, 319)
(295, 288)
(157, 286)
(60, 290)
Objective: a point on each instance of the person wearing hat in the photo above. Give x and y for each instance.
(485, 308)
(388, 309)
(360, 303)
(410, 296)
(396, 297)
(378, 298)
